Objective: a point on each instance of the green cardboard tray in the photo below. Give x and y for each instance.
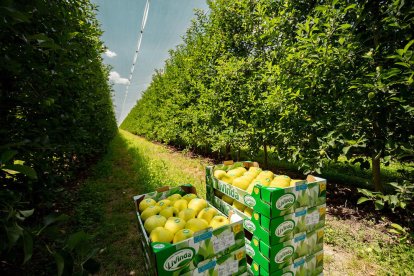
(271, 202)
(311, 265)
(280, 229)
(233, 264)
(278, 256)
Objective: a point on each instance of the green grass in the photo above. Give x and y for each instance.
(388, 256)
(133, 165)
(105, 208)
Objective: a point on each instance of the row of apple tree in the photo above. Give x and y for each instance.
(56, 117)
(312, 80)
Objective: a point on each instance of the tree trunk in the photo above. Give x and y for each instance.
(265, 155)
(238, 155)
(228, 155)
(376, 172)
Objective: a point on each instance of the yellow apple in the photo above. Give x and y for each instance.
(255, 170)
(250, 188)
(180, 205)
(168, 212)
(227, 199)
(153, 222)
(150, 211)
(219, 174)
(196, 224)
(280, 181)
(189, 197)
(267, 175)
(239, 206)
(164, 203)
(187, 214)
(218, 221)
(262, 181)
(197, 204)
(144, 204)
(174, 224)
(182, 234)
(207, 214)
(160, 234)
(242, 182)
(236, 172)
(174, 197)
(228, 179)
(250, 175)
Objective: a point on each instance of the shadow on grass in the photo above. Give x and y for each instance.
(105, 208)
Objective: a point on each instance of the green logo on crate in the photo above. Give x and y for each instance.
(249, 200)
(179, 259)
(249, 225)
(225, 188)
(283, 254)
(285, 201)
(284, 228)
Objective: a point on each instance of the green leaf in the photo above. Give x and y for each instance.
(405, 64)
(27, 246)
(352, 6)
(346, 149)
(345, 26)
(17, 168)
(14, 232)
(408, 45)
(26, 213)
(7, 155)
(365, 192)
(16, 15)
(379, 205)
(393, 200)
(398, 227)
(52, 218)
(394, 231)
(60, 263)
(362, 199)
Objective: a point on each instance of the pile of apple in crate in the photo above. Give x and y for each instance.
(182, 234)
(283, 218)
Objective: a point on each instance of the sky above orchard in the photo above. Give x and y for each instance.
(120, 20)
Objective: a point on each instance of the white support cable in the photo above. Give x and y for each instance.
(134, 60)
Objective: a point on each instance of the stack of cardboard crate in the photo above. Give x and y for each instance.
(284, 233)
(219, 251)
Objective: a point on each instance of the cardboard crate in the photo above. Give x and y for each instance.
(280, 229)
(278, 256)
(190, 254)
(271, 202)
(231, 264)
(311, 265)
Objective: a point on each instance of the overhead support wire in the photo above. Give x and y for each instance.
(134, 60)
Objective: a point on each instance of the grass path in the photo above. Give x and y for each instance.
(134, 166)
